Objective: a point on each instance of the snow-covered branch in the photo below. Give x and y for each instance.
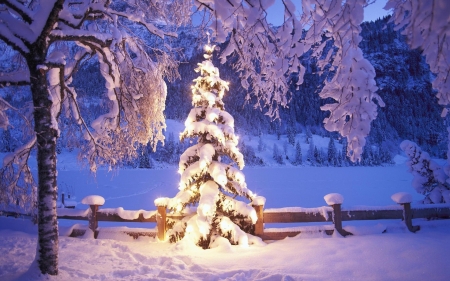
(353, 86)
(20, 9)
(264, 53)
(21, 29)
(16, 78)
(17, 185)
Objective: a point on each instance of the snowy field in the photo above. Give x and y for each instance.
(368, 255)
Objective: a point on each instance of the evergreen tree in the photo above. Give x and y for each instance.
(170, 153)
(249, 155)
(308, 135)
(323, 156)
(310, 154)
(339, 159)
(345, 160)
(206, 182)
(261, 145)
(278, 132)
(366, 157)
(291, 132)
(144, 158)
(385, 155)
(298, 155)
(376, 161)
(317, 157)
(332, 161)
(285, 149)
(277, 154)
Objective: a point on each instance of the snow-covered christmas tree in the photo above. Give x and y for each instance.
(207, 183)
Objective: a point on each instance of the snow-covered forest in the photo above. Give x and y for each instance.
(112, 81)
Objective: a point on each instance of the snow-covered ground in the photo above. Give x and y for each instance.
(395, 255)
(368, 255)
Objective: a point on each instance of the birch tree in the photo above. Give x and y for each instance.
(53, 38)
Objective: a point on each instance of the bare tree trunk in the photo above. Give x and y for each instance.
(47, 249)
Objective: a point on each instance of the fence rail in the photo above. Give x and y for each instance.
(333, 213)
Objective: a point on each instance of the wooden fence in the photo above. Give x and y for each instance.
(333, 214)
(337, 215)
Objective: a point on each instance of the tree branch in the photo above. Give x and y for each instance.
(23, 12)
(17, 78)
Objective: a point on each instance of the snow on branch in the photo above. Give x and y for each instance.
(265, 55)
(20, 9)
(353, 86)
(21, 26)
(17, 186)
(16, 78)
(98, 38)
(4, 121)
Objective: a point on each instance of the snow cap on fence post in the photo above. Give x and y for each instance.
(259, 201)
(161, 201)
(161, 204)
(402, 197)
(94, 201)
(333, 199)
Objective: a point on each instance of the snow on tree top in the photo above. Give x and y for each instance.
(401, 197)
(334, 198)
(93, 200)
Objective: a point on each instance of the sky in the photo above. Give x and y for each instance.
(371, 13)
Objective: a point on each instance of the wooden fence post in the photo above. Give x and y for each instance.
(93, 223)
(404, 199)
(94, 201)
(337, 220)
(407, 217)
(161, 222)
(259, 226)
(335, 200)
